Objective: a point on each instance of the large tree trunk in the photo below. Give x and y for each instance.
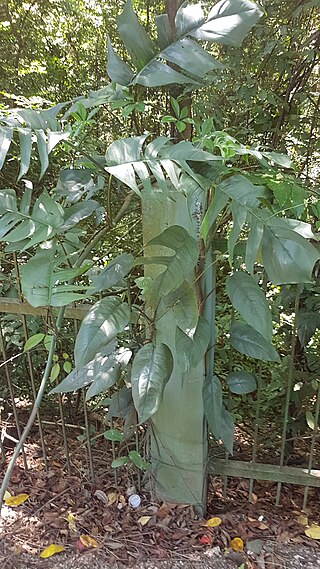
(178, 429)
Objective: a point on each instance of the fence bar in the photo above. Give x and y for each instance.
(269, 472)
(86, 420)
(289, 388)
(14, 306)
(30, 366)
(313, 442)
(10, 387)
(256, 429)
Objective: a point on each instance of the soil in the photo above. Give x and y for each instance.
(98, 529)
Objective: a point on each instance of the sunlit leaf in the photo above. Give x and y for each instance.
(33, 341)
(15, 501)
(237, 544)
(213, 522)
(313, 531)
(144, 520)
(51, 550)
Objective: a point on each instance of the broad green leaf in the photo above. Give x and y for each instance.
(6, 134)
(180, 265)
(77, 212)
(241, 190)
(248, 341)
(151, 370)
(113, 435)
(307, 322)
(287, 256)
(249, 300)
(113, 274)
(241, 382)
(281, 159)
(239, 216)
(253, 242)
(121, 461)
(103, 322)
(182, 303)
(33, 341)
(25, 138)
(40, 225)
(190, 348)
(188, 18)
(97, 368)
(191, 57)
(42, 151)
(218, 203)
(138, 461)
(135, 37)
(228, 22)
(103, 381)
(73, 183)
(55, 371)
(219, 420)
(40, 281)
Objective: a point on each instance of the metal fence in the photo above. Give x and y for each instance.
(20, 372)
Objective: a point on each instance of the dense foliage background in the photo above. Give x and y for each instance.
(268, 95)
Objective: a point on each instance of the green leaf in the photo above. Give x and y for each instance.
(121, 461)
(182, 304)
(6, 134)
(249, 342)
(151, 370)
(54, 372)
(228, 23)
(42, 151)
(138, 461)
(103, 322)
(97, 368)
(33, 341)
(77, 212)
(218, 203)
(241, 382)
(180, 265)
(239, 189)
(67, 367)
(135, 37)
(281, 159)
(113, 274)
(42, 224)
(287, 256)
(219, 420)
(253, 242)
(190, 348)
(249, 300)
(25, 138)
(113, 435)
(40, 281)
(239, 217)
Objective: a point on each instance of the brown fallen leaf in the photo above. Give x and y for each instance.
(88, 541)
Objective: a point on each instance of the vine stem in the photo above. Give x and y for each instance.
(35, 409)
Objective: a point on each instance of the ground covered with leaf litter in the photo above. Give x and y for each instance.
(94, 526)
